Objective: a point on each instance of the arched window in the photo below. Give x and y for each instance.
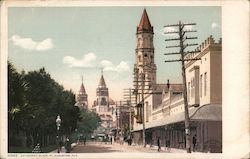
(139, 58)
(103, 101)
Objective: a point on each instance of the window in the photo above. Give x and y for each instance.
(188, 91)
(103, 101)
(201, 86)
(205, 83)
(191, 88)
(139, 58)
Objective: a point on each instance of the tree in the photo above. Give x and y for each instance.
(34, 101)
(16, 99)
(89, 122)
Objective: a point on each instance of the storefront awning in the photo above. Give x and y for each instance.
(206, 113)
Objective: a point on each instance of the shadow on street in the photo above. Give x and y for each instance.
(93, 149)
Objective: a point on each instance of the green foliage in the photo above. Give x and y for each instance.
(89, 122)
(34, 101)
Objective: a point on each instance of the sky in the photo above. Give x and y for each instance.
(70, 42)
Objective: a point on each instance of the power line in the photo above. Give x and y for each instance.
(181, 38)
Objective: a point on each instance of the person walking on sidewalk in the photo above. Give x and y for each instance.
(84, 140)
(167, 144)
(194, 142)
(158, 144)
(111, 140)
(67, 145)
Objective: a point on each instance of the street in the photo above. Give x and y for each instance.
(101, 147)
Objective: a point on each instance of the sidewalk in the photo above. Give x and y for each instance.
(168, 150)
(63, 150)
(152, 148)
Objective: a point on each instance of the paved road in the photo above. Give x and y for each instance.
(100, 147)
(92, 147)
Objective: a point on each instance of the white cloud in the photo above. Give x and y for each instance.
(30, 44)
(214, 25)
(44, 45)
(88, 60)
(188, 27)
(169, 29)
(173, 29)
(109, 66)
(123, 66)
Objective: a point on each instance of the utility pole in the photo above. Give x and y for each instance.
(118, 116)
(130, 114)
(129, 99)
(120, 121)
(140, 78)
(143, 117)
(139, 89)
(181, 38)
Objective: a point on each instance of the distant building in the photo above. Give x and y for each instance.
(113, 110)
(102, 106)
(82, 98)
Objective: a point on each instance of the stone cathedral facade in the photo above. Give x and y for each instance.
(102, 107)
(82, 97)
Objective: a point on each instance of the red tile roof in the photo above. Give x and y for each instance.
(144, 25)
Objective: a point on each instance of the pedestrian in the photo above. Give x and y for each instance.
(60, 145)
(159, 144)
(129, 139)
(185, 141)
(84, 140)
(67, 145)
(194, 142)
(166, 144)
(111, 140)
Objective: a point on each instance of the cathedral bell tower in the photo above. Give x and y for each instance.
(82, 97)
(102, 94)
(144, 52)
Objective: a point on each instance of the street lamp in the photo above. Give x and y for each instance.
(58, 124)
